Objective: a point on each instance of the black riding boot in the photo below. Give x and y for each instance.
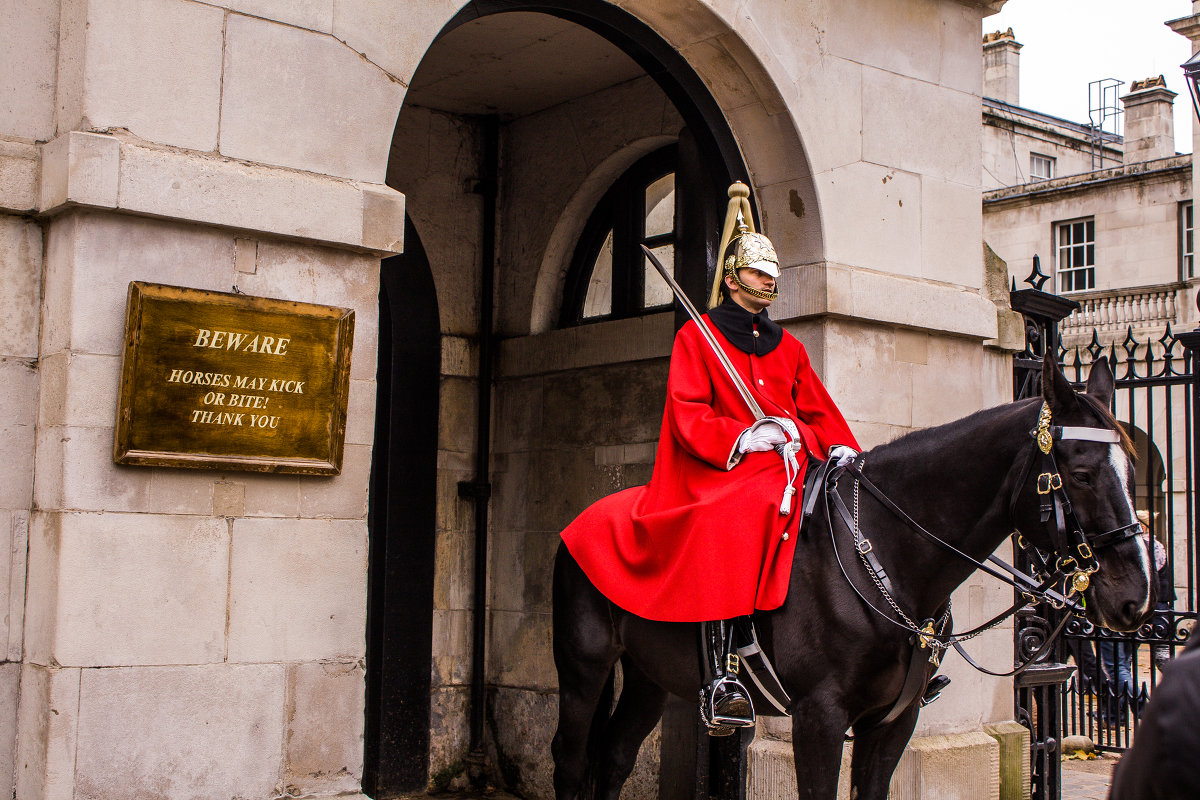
(724, 702)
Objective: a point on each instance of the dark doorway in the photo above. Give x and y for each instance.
(401, 522)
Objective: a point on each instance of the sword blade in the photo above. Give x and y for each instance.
(718, 351)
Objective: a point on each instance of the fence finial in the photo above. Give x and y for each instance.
(1037, 278)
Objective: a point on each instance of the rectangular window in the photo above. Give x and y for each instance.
(1187, 248)
(1041, 168)
(1075, 246)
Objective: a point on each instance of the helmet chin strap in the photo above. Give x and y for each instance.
(750, 290)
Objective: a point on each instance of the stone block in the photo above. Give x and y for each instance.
(918, 25)
(221, 191)
(28, 70)
(14, 529)
(771, 145)
(181, 491)
(21, 274)
(80, 168)
(79, 390)
(772, 771)
(297, 590)
(323, 748)
(76, 473)
(194, 731)
(271, 495)
(956, 765)
(154, 68)
(131, 589)
(360, 413)
(47, 719)
(452, 630)
(286, 100)
(392, 36)
(341, 496)
(448, 736)
(853, 357)
(521, 654)
(920, 128)
(519, 405)
(383, 219)
(457, 414)
(1013, 739)
(940, 394)
(891, 200)
(316, 15)
(18, 409)
(91, 259)
(10, 689)
(228, 499)
(790, 217)
(20, 183)
(951, 222)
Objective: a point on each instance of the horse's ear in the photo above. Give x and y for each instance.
(1055, 388)
(1100, 381)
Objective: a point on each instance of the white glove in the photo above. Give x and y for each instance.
(843, 454)
(761, 436)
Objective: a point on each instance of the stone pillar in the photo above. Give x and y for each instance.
(1189, 27)
(180, 632)
(1149, 121)
(1001, 63)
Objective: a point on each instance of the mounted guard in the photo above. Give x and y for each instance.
(712, 536)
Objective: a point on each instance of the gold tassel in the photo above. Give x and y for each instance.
(737, 216)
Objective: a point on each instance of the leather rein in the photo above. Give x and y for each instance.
(1057, 577)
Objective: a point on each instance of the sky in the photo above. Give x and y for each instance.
(1069, 43)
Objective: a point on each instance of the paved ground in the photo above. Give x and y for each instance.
(1087, 780)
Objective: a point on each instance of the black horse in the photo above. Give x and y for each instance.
(844, 664)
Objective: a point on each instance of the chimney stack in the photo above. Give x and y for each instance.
(1001, 57)
(1149, 121)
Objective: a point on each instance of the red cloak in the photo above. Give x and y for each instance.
(704, 540)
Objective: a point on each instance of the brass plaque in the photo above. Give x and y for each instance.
(229, 381)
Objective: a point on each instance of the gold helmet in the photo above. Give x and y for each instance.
(750, 249)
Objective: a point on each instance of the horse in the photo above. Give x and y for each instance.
(844, 663)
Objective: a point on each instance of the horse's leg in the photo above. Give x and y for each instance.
(818, 731)
(585, 650)
(877, 751)
(638, 711)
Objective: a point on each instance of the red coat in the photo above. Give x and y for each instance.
(703, 541)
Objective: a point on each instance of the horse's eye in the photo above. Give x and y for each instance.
(1081, 477)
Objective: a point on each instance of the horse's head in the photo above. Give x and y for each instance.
(1090, 524)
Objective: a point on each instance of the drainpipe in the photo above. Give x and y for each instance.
(480, 489)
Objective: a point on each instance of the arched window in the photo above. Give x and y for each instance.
(610, 277)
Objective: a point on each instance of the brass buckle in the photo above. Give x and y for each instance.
(1085, 551)
(1048, 482)
(732, 663)
(864, 546)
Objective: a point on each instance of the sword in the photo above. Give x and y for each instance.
(730, 370)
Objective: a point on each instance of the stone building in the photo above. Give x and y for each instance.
(1110, 217)
(468, 179)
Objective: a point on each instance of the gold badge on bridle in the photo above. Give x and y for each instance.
(1044, 440)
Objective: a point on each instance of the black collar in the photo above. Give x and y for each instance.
(740, 327)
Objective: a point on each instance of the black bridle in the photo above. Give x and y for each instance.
(1064, 573)
(1074, 552)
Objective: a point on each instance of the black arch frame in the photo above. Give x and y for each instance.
(625, 220)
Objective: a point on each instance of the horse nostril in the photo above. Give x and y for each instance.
(1131, 611)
